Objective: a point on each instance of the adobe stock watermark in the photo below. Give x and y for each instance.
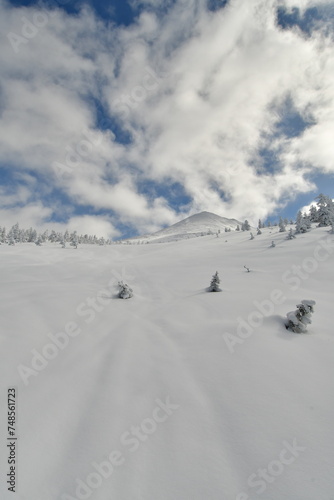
(293, 278)
(31, 27)
(262, 477)
(75, 155)
(87, 309)
(130, 441)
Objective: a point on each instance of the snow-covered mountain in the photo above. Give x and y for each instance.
(199, 224)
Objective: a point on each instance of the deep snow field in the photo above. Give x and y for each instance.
(165, 396)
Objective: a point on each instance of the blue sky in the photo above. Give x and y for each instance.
(121, 117)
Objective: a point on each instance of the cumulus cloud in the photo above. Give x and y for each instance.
(196, 93)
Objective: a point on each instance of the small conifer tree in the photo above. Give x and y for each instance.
(214, 285)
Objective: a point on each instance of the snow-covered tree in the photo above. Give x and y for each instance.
(313, 214)
(307, 221)
(214, 285)
(260, 224)
(3, 235)
(238, 228)
(245, 226)
(299, 319)
(303, 223)
(281, 225)
(290, 235)
(53, 236)
(124, 291)
(32, 235)
(39, 241)
(44, 236)
(15, 232)
(259, 231)
(325, 210)
(251, 236)
(74, 240)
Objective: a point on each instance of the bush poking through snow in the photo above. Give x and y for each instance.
(272, 244)
(299, 319)
(125, 292)
(247, 269)
(214, 285)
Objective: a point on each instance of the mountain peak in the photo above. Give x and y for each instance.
(199, 224)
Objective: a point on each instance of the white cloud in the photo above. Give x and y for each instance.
(197, 91)
(31, 215)
(91, 225)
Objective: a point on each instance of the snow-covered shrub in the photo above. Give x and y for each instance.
(251, 236)
(259, 231)
(272, 244)
(214, 285)
(39, 241)
(299, 319)
(124, 291)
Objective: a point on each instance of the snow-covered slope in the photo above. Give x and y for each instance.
(196, 225)
(175, 393)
